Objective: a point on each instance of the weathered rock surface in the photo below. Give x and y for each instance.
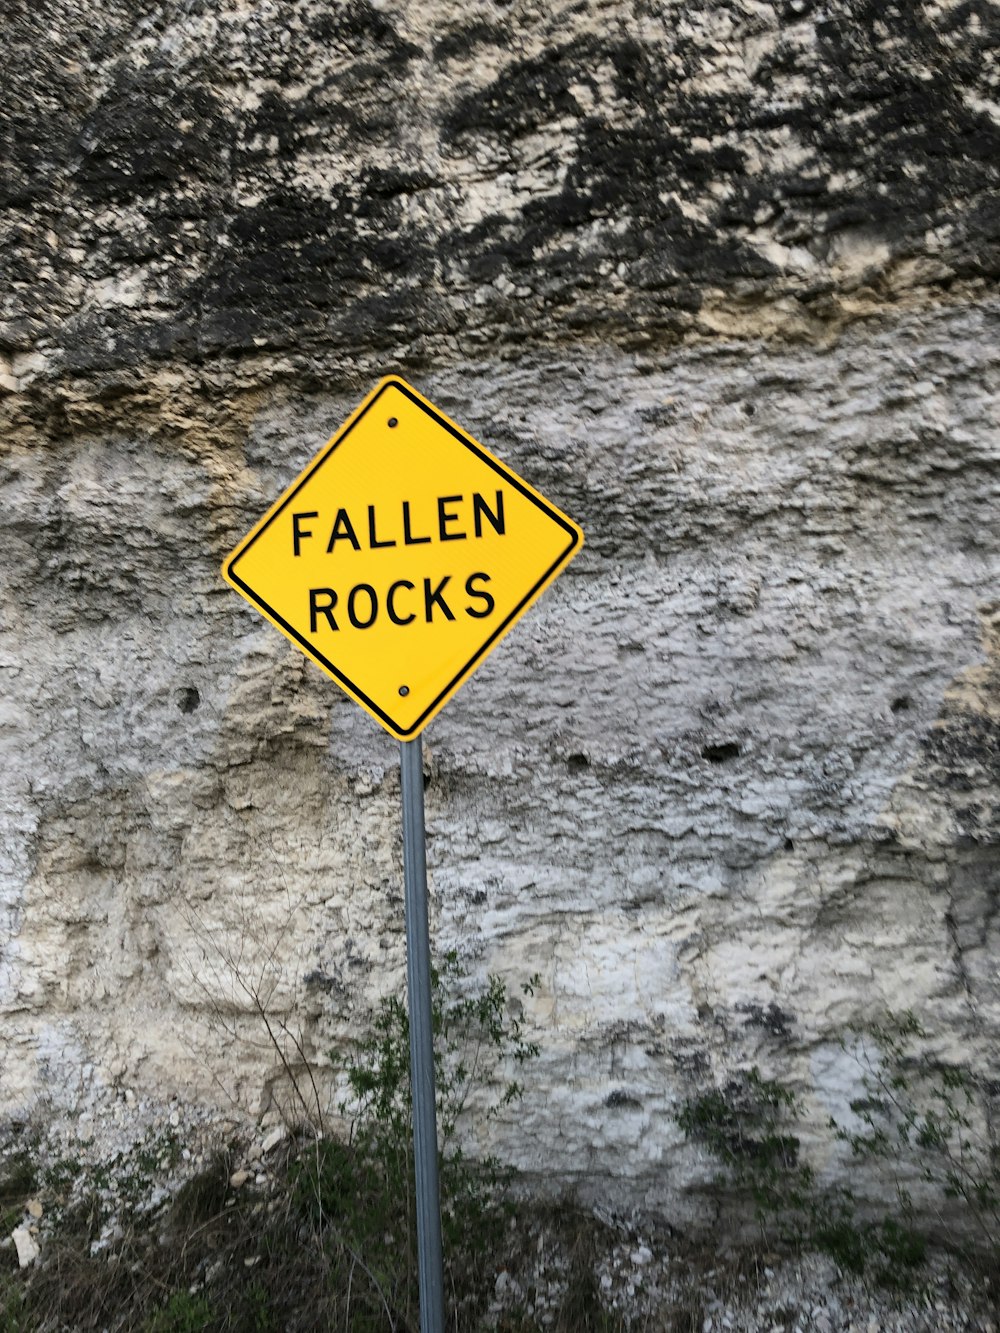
(720, 280)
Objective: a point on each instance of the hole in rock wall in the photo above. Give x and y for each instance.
(719, 754)
(620, 1098)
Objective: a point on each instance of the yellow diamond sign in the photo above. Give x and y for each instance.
(401, 556)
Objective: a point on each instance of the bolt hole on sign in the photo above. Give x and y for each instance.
(400, 557)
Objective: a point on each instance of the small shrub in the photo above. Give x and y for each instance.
(183, 1313)
(918, 1118)
(750, 1126)
(919, 1115)
(364, 1192)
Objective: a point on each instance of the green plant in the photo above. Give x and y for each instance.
(889, 1250)
(60, 1176)
(363, 1191)
(11, 1305)
(920, 1116)
(749, 1126)
(183, 1313)
(256, 1313)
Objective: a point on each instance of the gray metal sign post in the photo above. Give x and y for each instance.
(396, 451)
(418, 989)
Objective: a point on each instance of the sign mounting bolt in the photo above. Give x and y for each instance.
(404, 690)
(393, 421)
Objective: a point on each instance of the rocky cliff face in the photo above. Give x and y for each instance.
(721, 281)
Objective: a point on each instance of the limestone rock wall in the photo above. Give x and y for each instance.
(720, 280)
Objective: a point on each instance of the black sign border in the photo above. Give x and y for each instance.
(456, 680)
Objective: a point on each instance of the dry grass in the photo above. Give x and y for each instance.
(320, 1248)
